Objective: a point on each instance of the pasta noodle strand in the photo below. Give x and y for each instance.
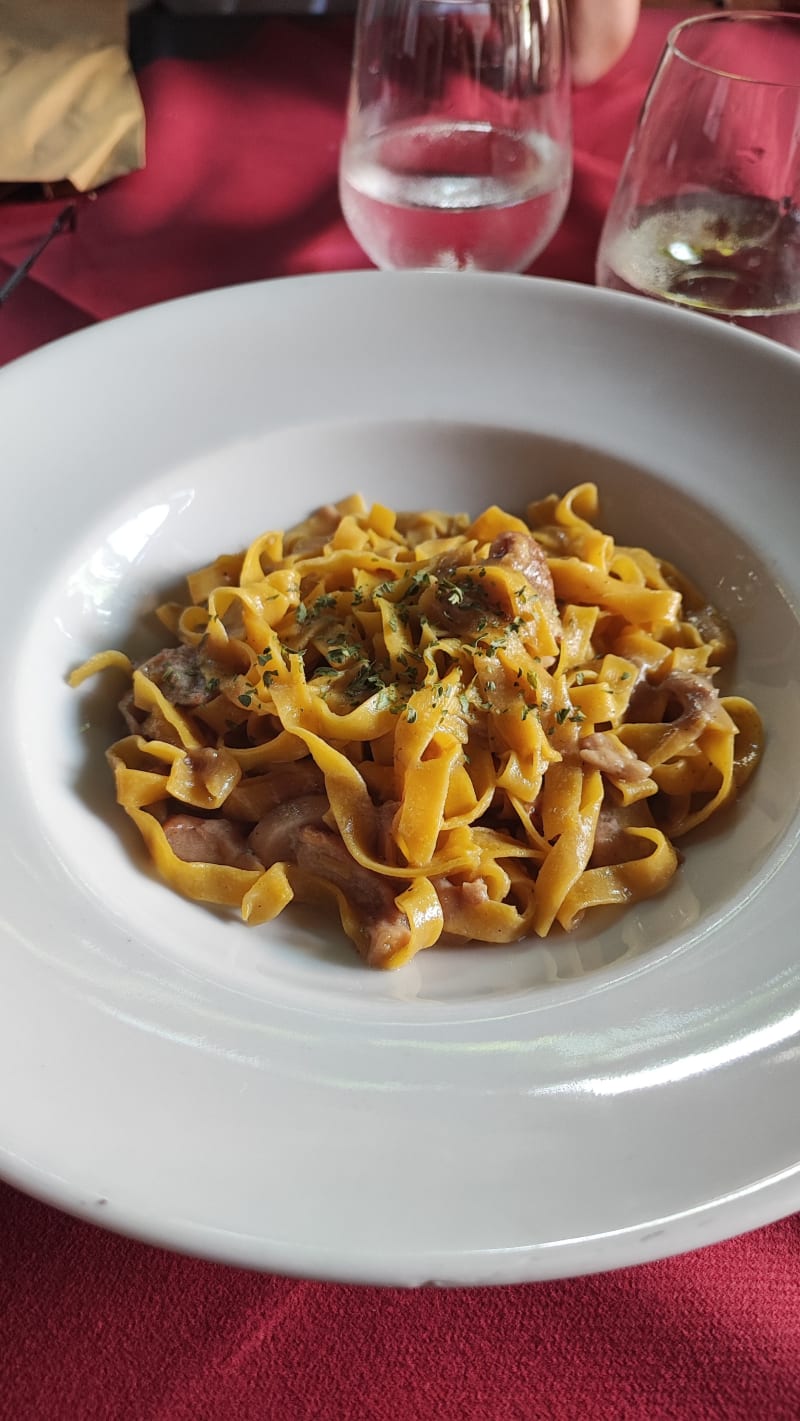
(452, 730)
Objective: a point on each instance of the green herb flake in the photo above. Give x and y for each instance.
(384, 588)
(367, 682)
(419, 579)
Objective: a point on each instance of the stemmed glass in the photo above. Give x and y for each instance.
(457, 152)
(707, 211)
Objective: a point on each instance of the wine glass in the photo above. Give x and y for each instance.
(457, 152)
(707, 211)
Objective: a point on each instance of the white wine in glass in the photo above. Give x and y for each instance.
(707, 212)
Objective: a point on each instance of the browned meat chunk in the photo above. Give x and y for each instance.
(127, 710)
(256, 794)
(696, 696)
(198, 840)
(613, 758)
(385, 929)
(151, 726)
(522, 552)
(458, 898)
(274, 838)
(183, 676)
(467, 610)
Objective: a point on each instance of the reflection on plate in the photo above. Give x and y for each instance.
(481, 1114)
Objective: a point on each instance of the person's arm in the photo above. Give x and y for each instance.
(600, 32)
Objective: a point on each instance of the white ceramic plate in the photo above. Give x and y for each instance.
(258, 1095)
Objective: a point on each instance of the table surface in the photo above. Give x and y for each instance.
(244, 119)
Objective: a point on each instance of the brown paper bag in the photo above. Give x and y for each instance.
(70, 109)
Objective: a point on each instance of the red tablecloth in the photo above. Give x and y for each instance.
(240, 183)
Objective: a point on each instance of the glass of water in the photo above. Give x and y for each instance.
(707, 211)
(457, 152)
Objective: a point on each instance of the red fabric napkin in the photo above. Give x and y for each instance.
(240, 183)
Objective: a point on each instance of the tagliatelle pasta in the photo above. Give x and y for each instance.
(457, 730)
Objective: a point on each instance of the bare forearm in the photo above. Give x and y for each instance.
(600, 32)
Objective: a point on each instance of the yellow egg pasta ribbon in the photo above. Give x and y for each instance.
(418, 662)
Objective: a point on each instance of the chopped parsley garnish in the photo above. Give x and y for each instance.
(452, 592)
(366, 682)
(418, 579)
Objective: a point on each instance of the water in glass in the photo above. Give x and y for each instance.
(457, 153)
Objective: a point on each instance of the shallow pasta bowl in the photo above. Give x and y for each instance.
(258, 1095)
